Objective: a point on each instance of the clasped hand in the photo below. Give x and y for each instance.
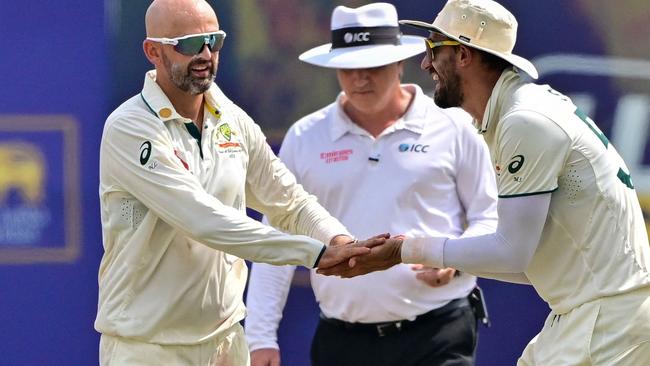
(374, 254)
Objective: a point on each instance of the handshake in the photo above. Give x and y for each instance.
(349, 258)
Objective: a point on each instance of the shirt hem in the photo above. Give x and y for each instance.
(527, 194)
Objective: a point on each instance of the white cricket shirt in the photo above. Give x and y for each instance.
(174, 221)
(594, 242)
(427, 174)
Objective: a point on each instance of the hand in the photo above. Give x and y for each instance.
(434, 277)
(382, 255)
(337, 252)
(265, 357)
(341, 239)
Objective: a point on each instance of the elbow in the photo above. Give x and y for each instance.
(515, 258)
(518, 262)
(518, 266)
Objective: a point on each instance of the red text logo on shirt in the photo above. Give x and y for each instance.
(180, 157)
(336, 156)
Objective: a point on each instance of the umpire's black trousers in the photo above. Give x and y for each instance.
(442, 337)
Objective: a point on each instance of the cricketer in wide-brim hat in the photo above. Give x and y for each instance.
(364, 37)
(482, 24)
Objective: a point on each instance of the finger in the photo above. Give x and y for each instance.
(350, 274)
(342, 270)
(342, 256)
(423, 268)
(429, 279)
(333, 270)
(354, 251)
(417, 267)
(352, 262)
(446, 273)
(373, 242)
(337, 254)
(383, 235)
(360, 259)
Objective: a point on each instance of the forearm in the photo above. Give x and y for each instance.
(284, 202)
(508, 250)
(480, 227)
(314, 221)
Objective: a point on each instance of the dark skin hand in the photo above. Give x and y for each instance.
(385, 252)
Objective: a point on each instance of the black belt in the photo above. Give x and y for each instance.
(385, 328)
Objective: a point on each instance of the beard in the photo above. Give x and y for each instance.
(448, 92)
(184, 80)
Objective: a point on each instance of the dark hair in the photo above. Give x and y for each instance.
(493, 62)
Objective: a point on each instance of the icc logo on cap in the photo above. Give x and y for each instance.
(356, 37)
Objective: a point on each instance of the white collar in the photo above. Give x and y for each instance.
(412, 120)
(160, 105)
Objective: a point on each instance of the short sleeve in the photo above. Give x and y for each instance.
(530, 154)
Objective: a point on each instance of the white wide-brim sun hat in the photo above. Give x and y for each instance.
(364, 37)
(482, 24)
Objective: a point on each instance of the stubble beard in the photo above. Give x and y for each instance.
(183, 79)
(449, 94)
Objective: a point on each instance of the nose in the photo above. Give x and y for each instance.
(425, 64)
(205, 52)
(360, 76)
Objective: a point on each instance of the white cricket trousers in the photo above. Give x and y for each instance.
(230, 349)
(609, 331)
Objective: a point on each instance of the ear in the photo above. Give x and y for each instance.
(464, 56)
(152, 52)
(400, 69)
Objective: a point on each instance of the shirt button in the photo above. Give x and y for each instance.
(165, 113)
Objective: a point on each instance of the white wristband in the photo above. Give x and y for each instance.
(427, 251)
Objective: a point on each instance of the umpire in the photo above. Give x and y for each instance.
(382, 157)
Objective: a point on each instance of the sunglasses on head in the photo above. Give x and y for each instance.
(192, 44)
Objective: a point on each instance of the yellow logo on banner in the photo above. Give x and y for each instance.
(40, 210)
(22, 169)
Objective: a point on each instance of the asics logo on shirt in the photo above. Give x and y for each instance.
(145, 152)
(516, 163)
(417, 148)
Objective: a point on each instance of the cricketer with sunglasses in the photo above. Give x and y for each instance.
(570, 223)
(179, 163)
